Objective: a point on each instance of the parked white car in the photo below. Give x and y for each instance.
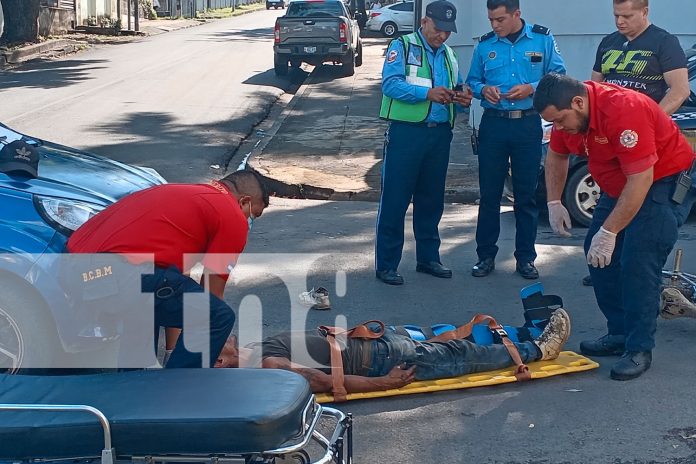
(392, 19)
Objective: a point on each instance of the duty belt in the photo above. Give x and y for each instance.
(515, 114)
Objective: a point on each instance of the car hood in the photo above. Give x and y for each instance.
(71, 173)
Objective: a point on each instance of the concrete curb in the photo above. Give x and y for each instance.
(23, 54)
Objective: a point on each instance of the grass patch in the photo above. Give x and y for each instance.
(228, 12)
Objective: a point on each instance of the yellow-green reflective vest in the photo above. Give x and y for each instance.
(421, 76)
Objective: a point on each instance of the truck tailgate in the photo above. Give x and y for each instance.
(321, 30)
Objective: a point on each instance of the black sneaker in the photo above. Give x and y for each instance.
(631, 365)
(608, 345)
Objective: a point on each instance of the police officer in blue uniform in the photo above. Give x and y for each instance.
(505, 70)
(420, 86)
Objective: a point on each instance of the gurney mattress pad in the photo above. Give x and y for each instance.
(155, 412)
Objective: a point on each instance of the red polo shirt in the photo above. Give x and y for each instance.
(628, 134)
(170, 221)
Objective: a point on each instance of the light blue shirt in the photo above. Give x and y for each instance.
(394, 83)
(500, 63)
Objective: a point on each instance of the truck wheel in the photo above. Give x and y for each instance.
(28, 339)
(280, 65)
(581, 195)
(348, 65)
(389, 29)
(358, 55)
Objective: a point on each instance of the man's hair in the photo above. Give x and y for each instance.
(510, 5)
(557, 90)
(248, 183)
(637, 4)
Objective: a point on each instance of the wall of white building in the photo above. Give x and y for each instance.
(578, 26)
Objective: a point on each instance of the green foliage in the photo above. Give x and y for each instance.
(147, 9)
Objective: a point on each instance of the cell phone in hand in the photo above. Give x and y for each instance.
(459, 88)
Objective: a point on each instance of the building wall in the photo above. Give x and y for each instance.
(54, 21)
(577, 26)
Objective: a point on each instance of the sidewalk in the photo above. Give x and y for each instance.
(330, 137)
(75, 41)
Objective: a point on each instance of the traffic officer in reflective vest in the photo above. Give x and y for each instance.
(643, 165)
(505, 69)
(421, 84)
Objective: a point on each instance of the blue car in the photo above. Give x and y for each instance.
(39, 323)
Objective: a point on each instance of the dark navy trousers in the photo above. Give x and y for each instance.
(508, 143)
(414, 168)
(628, 290)
(169, 286)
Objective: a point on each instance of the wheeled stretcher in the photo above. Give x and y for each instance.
(179, 415)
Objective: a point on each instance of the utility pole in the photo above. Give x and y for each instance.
(417, 14)
(137, 15)
(129, 14)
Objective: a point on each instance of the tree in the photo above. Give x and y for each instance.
(21, 20)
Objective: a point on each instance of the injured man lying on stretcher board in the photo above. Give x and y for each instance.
(393, 360)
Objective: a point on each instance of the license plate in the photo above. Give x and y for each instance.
(310, 49)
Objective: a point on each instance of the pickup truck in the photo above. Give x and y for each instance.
(315, 32)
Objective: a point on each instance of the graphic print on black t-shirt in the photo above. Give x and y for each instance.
(640, 64)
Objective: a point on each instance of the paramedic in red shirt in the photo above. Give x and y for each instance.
(636, 154)
(181, 224)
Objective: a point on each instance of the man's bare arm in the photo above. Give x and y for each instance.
(597, 77)
(555, 173)
(678, 82)
(629, 202)
(320, 382)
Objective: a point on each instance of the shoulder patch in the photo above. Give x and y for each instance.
(487, 36)
(539, 29)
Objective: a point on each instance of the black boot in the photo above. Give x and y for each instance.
(631, 365)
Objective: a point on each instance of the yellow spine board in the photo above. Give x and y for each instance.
(568, 362)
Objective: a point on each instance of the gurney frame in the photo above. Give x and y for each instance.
(337, 449)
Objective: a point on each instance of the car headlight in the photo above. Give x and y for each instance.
(65, 215)
(157, 177)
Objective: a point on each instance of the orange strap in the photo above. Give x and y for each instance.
(363, 331)
(521, 372)
(360, 331)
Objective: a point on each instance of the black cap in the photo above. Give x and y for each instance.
(19, 156)
(443, 14)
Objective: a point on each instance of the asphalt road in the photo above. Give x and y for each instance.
(576, 418)
(179, 102)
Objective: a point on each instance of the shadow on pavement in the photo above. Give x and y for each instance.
(49, 74)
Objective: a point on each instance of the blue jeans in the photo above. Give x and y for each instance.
(442, 360)
(414, 168)
(628, 290)
(169, 286)
(504, 143)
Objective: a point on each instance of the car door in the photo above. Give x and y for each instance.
(403, 15)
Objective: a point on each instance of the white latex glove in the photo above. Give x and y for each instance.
(559, 218)
(601, 249)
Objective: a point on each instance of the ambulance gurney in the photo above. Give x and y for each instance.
(250, 416)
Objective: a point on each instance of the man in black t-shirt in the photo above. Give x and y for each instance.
(643, 57)
(391, 361)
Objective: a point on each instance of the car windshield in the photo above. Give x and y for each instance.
(304, 9)
(7, 135)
